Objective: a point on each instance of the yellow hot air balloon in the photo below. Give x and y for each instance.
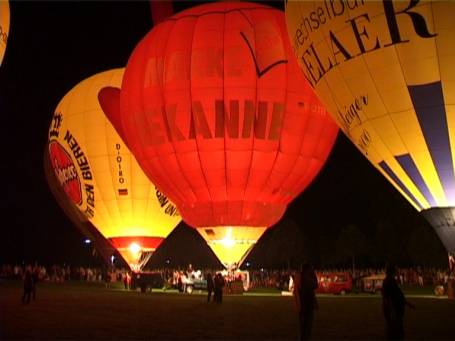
(385, 71)
(101, 176)
(4, 27)
(79, 220)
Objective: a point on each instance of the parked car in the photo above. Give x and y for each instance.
(334, 283)
(373, 283)
(146, 280)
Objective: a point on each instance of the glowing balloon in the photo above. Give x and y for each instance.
(4, 27)
(385, 71)
(101, 177)
(222, 120)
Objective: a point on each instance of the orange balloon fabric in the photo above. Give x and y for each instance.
(219, 116)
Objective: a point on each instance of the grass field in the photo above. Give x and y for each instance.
(80, 311)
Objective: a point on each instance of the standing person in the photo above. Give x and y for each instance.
(35, 279)
(221, 285)
(393, 305)
(304, 293)
(210, 286)
(28, 285)
(125, 280)
(184, 278)
(107, 278)
(180, 283)
(218, 288)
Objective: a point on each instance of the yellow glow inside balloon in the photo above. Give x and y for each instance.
(231, 244)
(101, 176)
(135, 248)
(4, 27)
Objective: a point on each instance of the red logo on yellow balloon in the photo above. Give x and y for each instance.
(66, 172)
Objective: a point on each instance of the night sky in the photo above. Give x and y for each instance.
(54, 45)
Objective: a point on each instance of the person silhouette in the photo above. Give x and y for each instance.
(218, 288)
(304, 294)
(210, 286)
(28, 285)
(35, 279)
(393, 304)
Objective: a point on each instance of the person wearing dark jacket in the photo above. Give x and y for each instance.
(28, 286)
(210, 286)
(393, 305)
(218, 288)
(305, 296)
(35, 279)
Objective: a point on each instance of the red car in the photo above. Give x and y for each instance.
(334, 283)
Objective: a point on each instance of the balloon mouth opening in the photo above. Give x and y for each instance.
(136, 250)
(231, 244)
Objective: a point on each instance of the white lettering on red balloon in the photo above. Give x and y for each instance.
(74, 172)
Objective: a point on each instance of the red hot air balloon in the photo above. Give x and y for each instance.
(220, 118)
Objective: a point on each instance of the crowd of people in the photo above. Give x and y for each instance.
(304, 288)
(262, 278)
(57, 273)
(417, 276)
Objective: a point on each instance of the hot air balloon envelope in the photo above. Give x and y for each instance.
(101, 176)
(385, 71)
(221, 119)
(4, 27)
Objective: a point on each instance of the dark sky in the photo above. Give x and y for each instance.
(54, 45)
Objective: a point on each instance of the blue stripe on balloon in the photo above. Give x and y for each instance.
(398, 182)
(428, 100)
(409, 166)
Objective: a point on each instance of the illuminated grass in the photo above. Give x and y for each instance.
(81, 311)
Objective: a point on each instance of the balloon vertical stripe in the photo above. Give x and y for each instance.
(428, 102)
(409, 166)
(398, 182)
